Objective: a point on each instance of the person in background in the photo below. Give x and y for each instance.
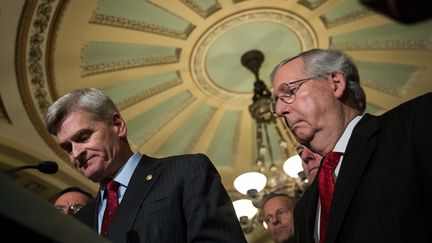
(71, 199)
(406, 12)
(277, 212)
(375, 183)
(310, 161)
(173, 199)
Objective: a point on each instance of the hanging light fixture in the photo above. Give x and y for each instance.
(250, 182)
(269, 176)
(293, 166)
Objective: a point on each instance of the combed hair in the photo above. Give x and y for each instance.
(92, 100)
(272, 195)
(277, 194)
(318, 62)
(75, 189)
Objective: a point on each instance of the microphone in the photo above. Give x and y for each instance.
(46, 167)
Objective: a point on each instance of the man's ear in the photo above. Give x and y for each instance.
(119, 124)
(339, 84)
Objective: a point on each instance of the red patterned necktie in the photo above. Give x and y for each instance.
(326, 188)
(111, 191)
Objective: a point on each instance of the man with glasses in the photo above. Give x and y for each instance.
(70, 200)
(277, 211)
(375, 186)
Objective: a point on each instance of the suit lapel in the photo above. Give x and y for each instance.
(143, 179)
(312, 211)
(305, 214)
(89, 214)
(357, 155)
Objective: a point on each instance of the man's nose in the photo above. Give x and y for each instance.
(307, 156)
(76, 150)
(282, 108)
(276, 220)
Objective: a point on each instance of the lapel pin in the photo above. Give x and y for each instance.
(149, 177)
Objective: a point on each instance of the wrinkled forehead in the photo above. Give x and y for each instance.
(277, 202)
(292, 70)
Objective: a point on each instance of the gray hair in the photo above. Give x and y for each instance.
(277, 194)
(267, 197)
(92, 100)
(326, 61)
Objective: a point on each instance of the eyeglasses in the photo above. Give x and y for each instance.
(280, 212)
(72, 209)
(286, 93)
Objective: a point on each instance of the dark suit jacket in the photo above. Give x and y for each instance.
(384, 188)
(184, 201)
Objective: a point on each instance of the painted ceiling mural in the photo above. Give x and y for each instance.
(173, 69)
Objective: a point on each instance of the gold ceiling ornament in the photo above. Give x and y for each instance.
(269, 176)
(295, 24)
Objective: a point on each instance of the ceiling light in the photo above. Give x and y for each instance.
(250, 181)
(269, 176)
(293, 166)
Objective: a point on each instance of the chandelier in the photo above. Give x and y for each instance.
(270, 175)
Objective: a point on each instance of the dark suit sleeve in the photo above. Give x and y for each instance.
(208, 209)
(422, 133)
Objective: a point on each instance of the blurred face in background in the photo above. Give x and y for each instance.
(278, 215)
(70, 202)
(310, 161)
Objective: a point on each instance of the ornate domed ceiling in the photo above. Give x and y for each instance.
(173, 68)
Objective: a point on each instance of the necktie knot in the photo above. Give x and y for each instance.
(331, 159)
(112, 186)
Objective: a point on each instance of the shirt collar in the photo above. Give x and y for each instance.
(343, 140)
(124, 175)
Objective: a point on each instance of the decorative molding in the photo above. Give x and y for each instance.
(126, 64)
(36, 33)
(201, 11)
(140, 140)
(311, 4)
(3, 113)
(396, 91)
(199, 131)
(387, 45)
(140, 26)
(130, 101)
(379, 86)
(300, 27)
(228, 137)
(350, 17)
(37, 42)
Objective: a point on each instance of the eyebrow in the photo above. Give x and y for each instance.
(76, 136)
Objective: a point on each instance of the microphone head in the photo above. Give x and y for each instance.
(48, 167)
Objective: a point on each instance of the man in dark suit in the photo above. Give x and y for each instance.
(174, 199)
(382, 185)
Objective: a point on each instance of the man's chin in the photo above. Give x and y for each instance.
(312, 174)
(282, 236)
(300, 134)
(281, 239)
